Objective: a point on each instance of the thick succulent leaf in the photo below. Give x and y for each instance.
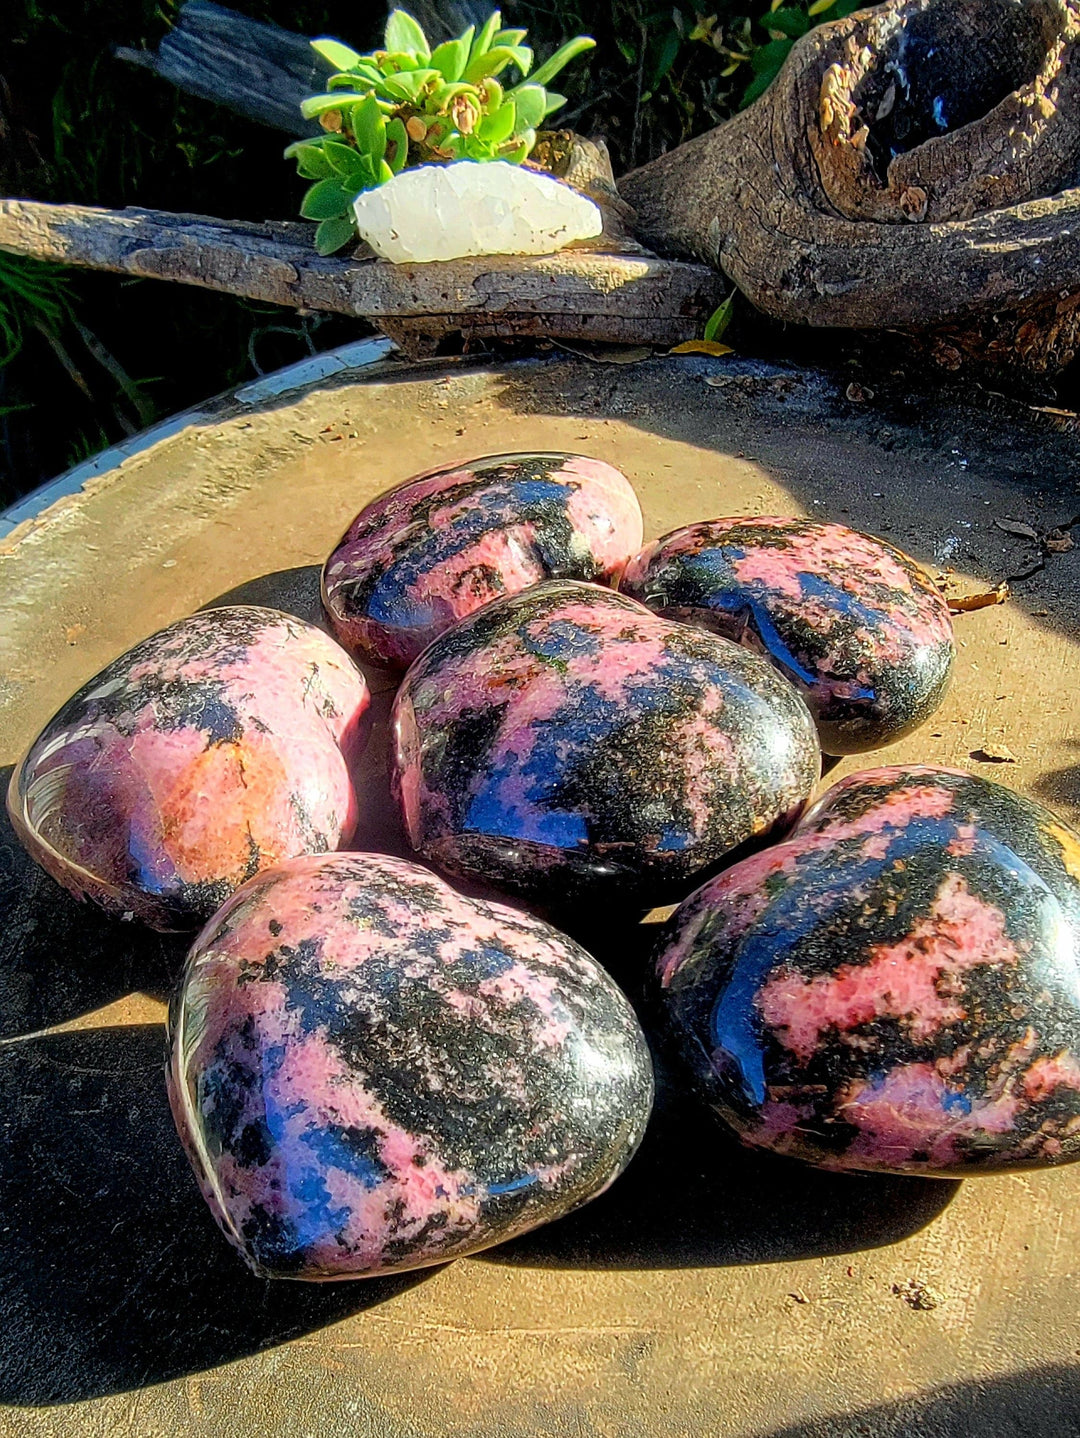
(341, 158)
(311, 163)
(441, 97)
(333, 234)
(562, 57)
(530, 101)
(322, 104)
(409, 85)
(500, 124)
(554, 102)
(325, 200)
(496, 59)
(352, 81)
(397, 141)
(486, 38)
(364, 176)
(523, 58)
(451, 58)
(403, 33)
(342, 57)
(400, 61)
(369, 127)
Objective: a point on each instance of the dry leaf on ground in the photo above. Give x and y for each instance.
(702, 347)
(967, 603)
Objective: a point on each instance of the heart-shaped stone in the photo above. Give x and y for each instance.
(855, 624)
(213, 749)
(433, 550)
(896, 987)
(566, 742)
(371, 1072)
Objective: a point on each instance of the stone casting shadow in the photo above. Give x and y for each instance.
(694, 1197)
(60, 958)
(1031, 1404)
(113, 1274)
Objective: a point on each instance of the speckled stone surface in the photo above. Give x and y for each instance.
(213, 749)
(895, 987)
(566, 742)
(372, 1072)
(855, 624)
(433, 550)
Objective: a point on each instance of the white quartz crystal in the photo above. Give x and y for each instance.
(445, 212)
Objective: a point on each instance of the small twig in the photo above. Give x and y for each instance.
(640, 84)
(1035, 568)
(145, 412)
(74, 373)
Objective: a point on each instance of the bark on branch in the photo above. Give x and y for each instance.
(258, 70)
(575, 295)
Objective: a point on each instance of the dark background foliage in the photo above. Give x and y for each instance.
(86, 359)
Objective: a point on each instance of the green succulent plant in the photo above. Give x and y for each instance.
(408, 104)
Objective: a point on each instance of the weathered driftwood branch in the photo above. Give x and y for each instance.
(258, 70)
(575, 295)
(911, 168)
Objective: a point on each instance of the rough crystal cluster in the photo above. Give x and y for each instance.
(447, 212)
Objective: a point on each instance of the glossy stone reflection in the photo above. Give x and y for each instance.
(215, 748)
(897, 987)
(371, 1072)
(566, 742)
(855, 624)
(433, 550)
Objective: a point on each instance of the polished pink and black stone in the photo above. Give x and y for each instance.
(854, 623)
(896, 987)
(433, 550)
(209, 751)
(371, 1072)
(567, 742)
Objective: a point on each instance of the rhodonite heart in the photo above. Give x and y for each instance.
(566, 742)
(854, 623)
(371, 1072)
(431, 551)
(894, 988)
(211, 750)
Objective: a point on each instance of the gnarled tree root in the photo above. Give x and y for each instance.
(912, 168)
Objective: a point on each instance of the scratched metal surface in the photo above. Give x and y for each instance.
(711, 1291)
